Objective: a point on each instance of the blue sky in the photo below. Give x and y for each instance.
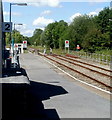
(39, 14)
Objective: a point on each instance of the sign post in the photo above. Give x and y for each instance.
(66, 45)
(25, 44)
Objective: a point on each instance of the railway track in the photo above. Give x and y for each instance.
(74, 68)
(89, 79)
(81, 65)
(71, 56)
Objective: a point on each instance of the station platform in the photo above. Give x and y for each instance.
(60, 96)
(14, 87)
(45, 93)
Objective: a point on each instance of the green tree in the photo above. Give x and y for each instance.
(78, 29)
(92, 41)
(52, 34)
(103, 19)
(35, 39)
(7, 38)
(18, 38)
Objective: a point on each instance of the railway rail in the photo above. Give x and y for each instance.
(62, 62)
(87, 76)
(71, 56)
(67, 60)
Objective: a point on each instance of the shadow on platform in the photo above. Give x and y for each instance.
(24, 101)
(13, 72)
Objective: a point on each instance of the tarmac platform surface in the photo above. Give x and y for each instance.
(56, 97)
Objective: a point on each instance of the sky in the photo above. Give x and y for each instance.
(39, 13)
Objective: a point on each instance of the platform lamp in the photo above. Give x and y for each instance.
(19, 4)
(13, 41)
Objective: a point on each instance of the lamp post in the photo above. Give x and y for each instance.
(13, 40)
(14, 27)
(19, 4)
(14, 58)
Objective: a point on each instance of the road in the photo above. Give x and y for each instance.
(58, 96)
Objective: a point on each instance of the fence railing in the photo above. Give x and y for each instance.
(95, 57)
(101, 58)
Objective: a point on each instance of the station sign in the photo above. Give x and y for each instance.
(7, 26)
(25, 44)
(66, 43)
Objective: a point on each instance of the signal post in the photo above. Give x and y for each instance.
(66, 45)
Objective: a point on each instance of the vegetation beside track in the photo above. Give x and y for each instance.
(102, 57)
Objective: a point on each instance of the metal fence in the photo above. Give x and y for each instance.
(100, 58)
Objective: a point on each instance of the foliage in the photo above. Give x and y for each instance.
(35, 39)
(103, 19)
(16, 36)
(92, 33)
(52, 34)
(92, 41)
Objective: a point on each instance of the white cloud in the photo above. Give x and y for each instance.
(54, 2)
(34, 4)
(46, 12)
(27, 32)
(93, 13)
(20, 27)
(42, 28)
(51, 3)
(13, 13)
(74, 16)
(42, 22)
(23, 29)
